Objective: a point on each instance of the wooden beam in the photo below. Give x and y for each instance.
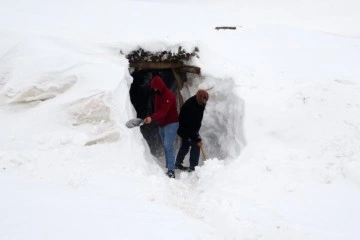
(180, 84)
(190, 69)
(155, 65)
(180, 67)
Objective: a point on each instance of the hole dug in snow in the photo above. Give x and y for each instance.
(222, 125)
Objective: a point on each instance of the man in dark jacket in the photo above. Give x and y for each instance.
(190, 118)
(167, 117)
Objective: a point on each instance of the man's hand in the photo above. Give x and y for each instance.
(147, 120)
(199, 144)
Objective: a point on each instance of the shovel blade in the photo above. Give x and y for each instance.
(134, 122)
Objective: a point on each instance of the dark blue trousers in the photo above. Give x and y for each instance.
(186, 144)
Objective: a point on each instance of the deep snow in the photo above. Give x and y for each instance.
(281, 129)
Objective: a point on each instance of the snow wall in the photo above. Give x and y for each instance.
(84, 89)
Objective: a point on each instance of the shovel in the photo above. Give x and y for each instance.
(136, 122)
(203, 153)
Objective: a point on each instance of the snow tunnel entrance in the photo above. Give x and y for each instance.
(222, 127)
(169, 66)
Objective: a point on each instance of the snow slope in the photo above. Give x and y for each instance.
(281, 129)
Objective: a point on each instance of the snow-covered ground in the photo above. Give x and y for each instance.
(281, 129)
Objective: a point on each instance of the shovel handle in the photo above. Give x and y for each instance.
(203, 153)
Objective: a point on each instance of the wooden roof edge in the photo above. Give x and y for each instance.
(190, 69)
(180, 67)
(155, 65)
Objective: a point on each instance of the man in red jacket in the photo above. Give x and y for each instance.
(167, 119)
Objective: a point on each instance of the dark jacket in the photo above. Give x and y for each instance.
(165, 103)
(191, 115)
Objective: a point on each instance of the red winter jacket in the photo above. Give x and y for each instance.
(165, 103)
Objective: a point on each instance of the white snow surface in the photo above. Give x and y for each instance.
(281, 129)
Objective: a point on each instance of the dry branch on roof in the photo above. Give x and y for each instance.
(181, 56)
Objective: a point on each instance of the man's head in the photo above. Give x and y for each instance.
(202, 97)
